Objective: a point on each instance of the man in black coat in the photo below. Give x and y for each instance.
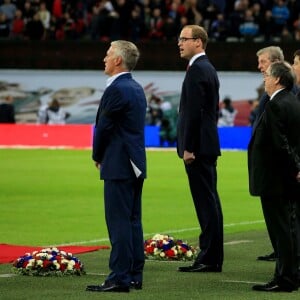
(274, 172)
(198, 145)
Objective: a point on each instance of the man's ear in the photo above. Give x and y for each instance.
(277, 79)
(118, 60)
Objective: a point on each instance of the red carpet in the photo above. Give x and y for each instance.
(8, 253)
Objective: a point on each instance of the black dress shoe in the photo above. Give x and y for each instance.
(268, 257)
(108, 287)
(137, 285)
(201, 268)
(272, 286)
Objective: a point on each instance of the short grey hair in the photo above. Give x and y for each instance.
(284, 71)
(275, 53)
(128, 51)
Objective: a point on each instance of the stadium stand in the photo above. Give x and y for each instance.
(140, 20)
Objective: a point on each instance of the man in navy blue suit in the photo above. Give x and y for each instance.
(199, 147)
(119, 153)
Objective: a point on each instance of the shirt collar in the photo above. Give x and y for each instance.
(195, 57)
(111, 79)
(275, 93)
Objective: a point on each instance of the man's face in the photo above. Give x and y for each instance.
(187, 44)
(270, 82)
(263, 62)
(110, 62)
(296, 67)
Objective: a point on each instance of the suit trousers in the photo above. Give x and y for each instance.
(280, 225)
(123, 212)
(202, 176)
(296, 231)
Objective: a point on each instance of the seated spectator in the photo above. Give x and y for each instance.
(18, 26)
(248, 28)
(56, 114)
(7, 110)
(280, 14)
(45, 16)
(4, 26)
(156, 25)
(9, 10)
(227, 113)
(268, 26)
(219, 28)
(137, 24)
(34, 29)
(28, 12)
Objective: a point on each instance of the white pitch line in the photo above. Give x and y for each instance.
(241, 281)
(238, 242)
(164, 232)
(7, 275)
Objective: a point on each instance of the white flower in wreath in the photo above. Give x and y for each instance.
(156, 251)
(70, 265)
(30, 264)
(39, 262)
(175, 251)
(56, 264)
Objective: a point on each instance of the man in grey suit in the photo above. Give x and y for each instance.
(119, 153)
(274, 172)
(198, 145)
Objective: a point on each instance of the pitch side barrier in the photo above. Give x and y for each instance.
(80, 136)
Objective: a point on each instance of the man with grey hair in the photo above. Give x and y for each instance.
(265, 56)
(119, 154)
(274, 172)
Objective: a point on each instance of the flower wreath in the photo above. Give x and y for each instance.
(164, 247)
(48, 262)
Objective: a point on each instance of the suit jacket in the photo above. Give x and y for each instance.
(197, 129)
(119, 137)
(274, 148)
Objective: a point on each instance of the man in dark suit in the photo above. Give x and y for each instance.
(274, 172)
(265, 56)
(296, 67)
(198, 145)
(119, 153)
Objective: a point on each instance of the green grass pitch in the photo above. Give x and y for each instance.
(54, 197)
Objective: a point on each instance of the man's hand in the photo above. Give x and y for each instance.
(188, 157)
(97, 164)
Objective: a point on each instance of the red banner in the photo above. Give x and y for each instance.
(46, 136)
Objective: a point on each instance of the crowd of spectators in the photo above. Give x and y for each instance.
(139, 20)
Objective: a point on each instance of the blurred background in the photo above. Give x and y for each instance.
(51, 57)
